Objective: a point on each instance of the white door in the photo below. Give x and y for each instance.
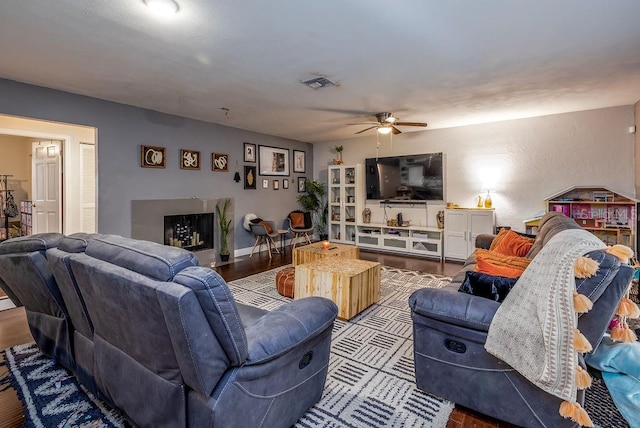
(46, 185)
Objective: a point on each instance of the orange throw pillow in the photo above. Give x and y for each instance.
(267, 226)
(513, 244)
(493, 263)
(499, 237)
(297, 220)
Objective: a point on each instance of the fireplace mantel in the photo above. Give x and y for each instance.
(147, 221)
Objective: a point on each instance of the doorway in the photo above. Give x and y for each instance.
(74, 178)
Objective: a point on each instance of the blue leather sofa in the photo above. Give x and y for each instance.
(163, 339)
(450, 330)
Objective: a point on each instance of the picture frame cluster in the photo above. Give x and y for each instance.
(268, 160)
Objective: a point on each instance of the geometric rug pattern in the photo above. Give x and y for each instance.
(51, 396)
(371, 381)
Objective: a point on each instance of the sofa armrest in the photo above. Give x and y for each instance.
(484, 240)
(452, 307)
(281, 330)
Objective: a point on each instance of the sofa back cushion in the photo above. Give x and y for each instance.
(156, 261)
(550, 224)
(24, 269)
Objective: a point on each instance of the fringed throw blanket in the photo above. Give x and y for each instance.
(533, 330)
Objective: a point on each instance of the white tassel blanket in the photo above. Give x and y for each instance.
(532, 331)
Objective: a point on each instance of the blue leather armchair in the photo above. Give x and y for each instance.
(450, 329)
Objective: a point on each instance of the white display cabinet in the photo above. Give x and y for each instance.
(345, 199)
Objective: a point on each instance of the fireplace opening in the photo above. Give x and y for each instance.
(190, 231)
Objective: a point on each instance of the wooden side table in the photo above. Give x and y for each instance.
(309, 253)
(353, 285)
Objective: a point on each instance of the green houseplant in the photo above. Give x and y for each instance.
(225, 227)
(314, 201)
(339, 150)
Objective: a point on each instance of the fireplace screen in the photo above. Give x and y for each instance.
(190, 231)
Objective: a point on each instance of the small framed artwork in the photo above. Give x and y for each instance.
(273, 161)
(219, 162)
(285, 183)
(276, 184)
(299, 161)
(265, 184)
(152, 157)
(249, 152)
(302, 186)
(249, 177)
(189, 159)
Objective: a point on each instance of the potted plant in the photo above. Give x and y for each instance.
(339, 150)
(225, 226)
(313, 200)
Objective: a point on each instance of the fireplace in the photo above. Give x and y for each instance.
(190, 231)
(195, 215)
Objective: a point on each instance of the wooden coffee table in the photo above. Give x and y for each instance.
(352, 284)
(311, 252)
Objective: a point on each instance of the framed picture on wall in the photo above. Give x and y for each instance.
(299, 161)
(276, 184)
(273, 161)
(265, 184)
(302, 186)
(285, 183)
(249, 152)
(220, 162)
(249, 177)
(153, 157)
(189, 159)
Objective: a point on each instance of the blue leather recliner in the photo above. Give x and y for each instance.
(172, 348)
(450, 329)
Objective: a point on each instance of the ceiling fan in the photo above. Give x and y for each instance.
(386, 123)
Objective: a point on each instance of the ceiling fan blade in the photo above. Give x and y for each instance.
(363, 123)
(366, 129)
(395, 130)
(411, 124)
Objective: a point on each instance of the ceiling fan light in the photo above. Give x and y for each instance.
(384, 130)
(391, 119)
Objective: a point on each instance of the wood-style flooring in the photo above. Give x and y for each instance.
(14, 329)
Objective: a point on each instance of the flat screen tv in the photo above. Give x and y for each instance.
(405, 178)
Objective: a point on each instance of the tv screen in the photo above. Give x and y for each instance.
(405, 178)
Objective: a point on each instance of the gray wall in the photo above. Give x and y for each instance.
(121, 131)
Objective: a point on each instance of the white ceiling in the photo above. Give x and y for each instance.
(445, 62)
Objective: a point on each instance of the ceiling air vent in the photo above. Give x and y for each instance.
(319, 82)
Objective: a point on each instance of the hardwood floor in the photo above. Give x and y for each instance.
(14, 329)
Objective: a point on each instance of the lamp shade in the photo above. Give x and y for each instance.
(384, 130)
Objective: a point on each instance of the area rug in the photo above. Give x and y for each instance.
(370, 382)
(51, 396)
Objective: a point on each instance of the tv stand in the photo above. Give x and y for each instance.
(415, 240)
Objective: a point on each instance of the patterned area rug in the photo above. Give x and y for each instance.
(51, 396)
(371, 382)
